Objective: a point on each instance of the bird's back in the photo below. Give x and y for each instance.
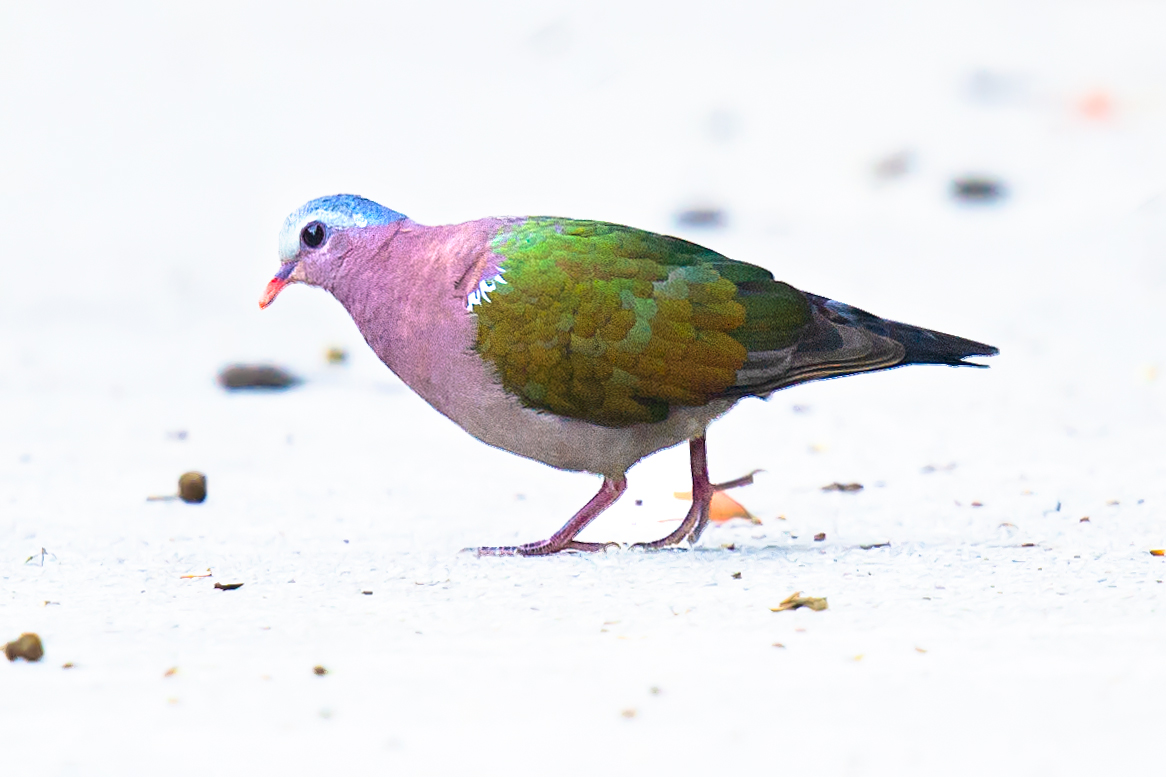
(618, 326)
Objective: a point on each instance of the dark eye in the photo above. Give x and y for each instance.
(313, 234)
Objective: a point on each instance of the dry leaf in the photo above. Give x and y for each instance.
(846, 487)
(171, 672)
(819, 536)
(319, 671)
(228, 586)
(1158, 552)
(722, 507)
(193, 577)
(796, 600)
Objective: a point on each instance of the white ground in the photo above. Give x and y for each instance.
(147, 158)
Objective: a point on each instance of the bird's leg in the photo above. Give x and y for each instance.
(564, 538)
(702, 524)
(702, 494)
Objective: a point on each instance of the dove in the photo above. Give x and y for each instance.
(584, 345)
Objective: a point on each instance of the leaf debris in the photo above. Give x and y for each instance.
(796, 600)
(849, 488)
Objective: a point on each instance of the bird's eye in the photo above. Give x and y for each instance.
(313, 234)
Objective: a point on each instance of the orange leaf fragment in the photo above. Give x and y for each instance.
(192, 577)
(723, 507)
(796, 600)
(1158, 552)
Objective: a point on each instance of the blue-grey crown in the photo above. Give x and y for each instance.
(337, 211)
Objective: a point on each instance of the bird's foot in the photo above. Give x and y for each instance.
(542, 548)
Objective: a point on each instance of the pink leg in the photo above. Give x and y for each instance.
(702, 494)
(697, 519)
(564, 538)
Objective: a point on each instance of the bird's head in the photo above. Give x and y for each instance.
(317, 236)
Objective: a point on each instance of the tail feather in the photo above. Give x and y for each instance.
(843, 340)
(922, 346)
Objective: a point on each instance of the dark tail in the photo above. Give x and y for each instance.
(923, 346)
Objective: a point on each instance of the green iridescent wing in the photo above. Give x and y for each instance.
(615, 325)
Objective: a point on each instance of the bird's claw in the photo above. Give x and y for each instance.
(543, 548)
(744, 480)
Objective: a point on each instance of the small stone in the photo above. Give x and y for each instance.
(28, 647)
(192, 487)
(256, 376)
(319, 671)
(978, 189)
(703, 218)
(819, 536)
(336, 355)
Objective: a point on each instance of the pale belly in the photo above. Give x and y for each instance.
(571, 444)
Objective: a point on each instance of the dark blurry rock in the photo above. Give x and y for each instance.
(847, 487)
(336, 355)
(704, 218)
(256, 376)
(319, 671)
(977, 189)
(192, 487)
(228, 586)
(819, 536)
(27, 647)
(894, 166)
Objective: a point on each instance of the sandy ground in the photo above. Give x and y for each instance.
(147, 159)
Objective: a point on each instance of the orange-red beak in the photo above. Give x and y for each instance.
(276, 284)
(274, 287)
